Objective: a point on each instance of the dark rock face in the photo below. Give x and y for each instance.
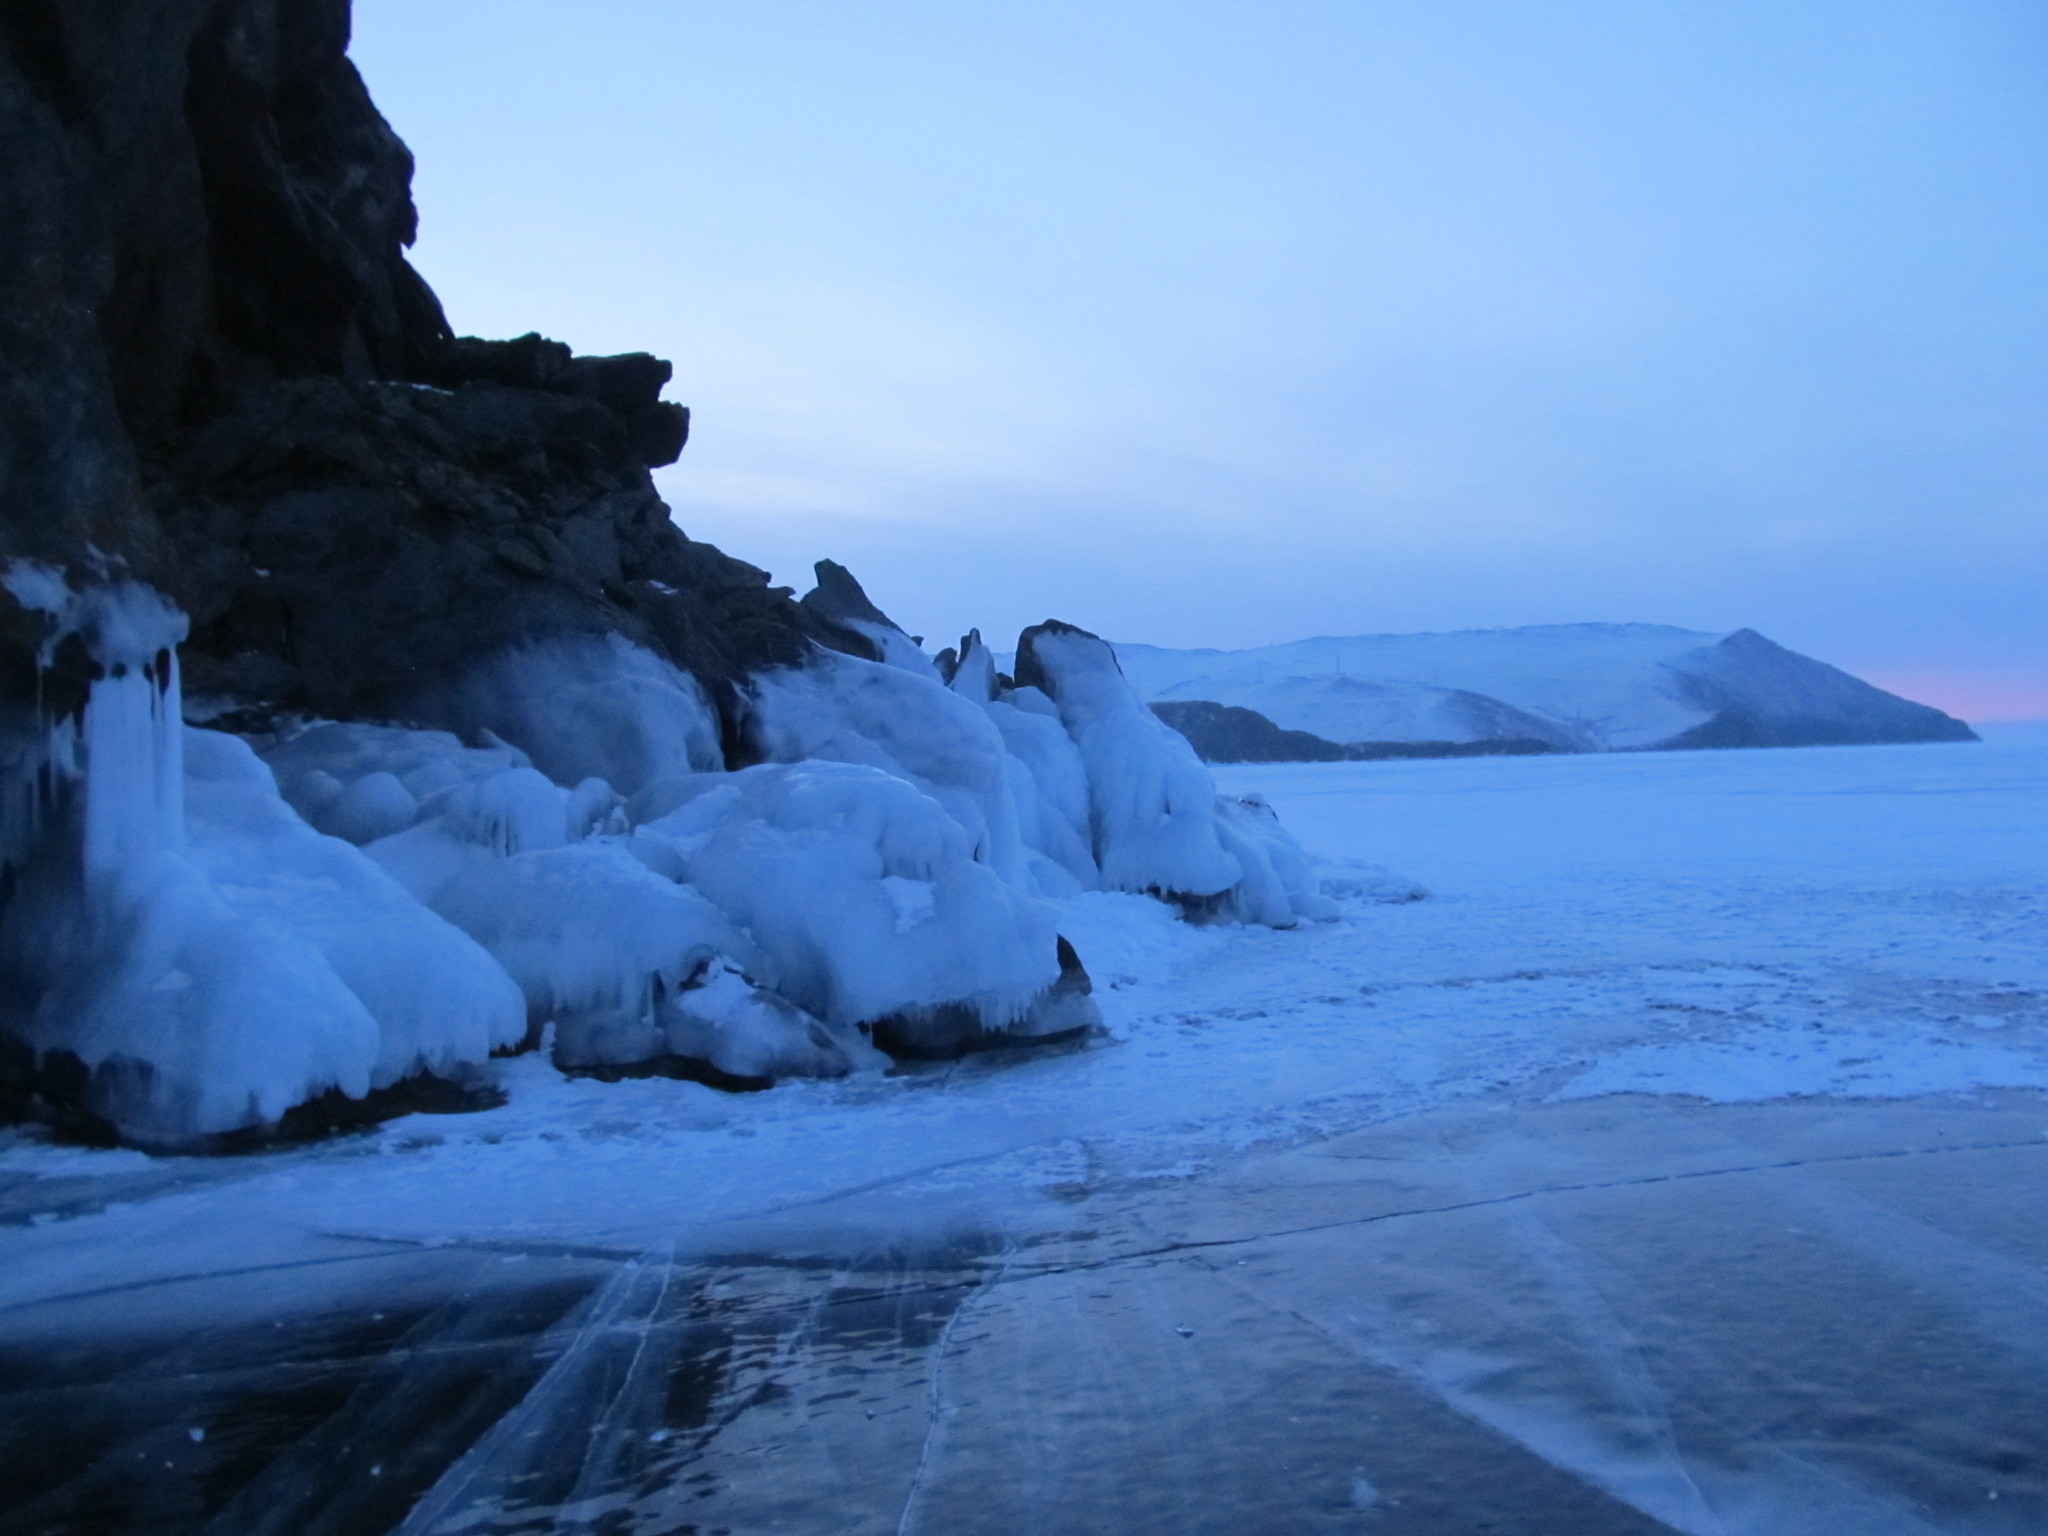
(838, 599)
(221, 375)
(344, 542)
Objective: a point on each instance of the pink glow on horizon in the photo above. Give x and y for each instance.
(1979, 697)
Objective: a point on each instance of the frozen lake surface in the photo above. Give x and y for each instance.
(1677, 1165)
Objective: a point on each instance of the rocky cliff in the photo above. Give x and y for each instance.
(219, 374)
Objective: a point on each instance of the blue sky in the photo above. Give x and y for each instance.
(1217, 324)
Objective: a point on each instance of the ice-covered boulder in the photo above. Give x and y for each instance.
(584, 928)
(1279, 885)
(749, 1035)
(438, 1000)
(603, 942)
(1019, 791)
(340, 777)
(1152, 804)
(905, 723)
(864, 897)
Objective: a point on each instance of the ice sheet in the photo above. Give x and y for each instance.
(1333, 1232)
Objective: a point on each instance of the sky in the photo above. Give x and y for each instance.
(1212, 324)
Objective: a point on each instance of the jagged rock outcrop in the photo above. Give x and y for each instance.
(221, 376)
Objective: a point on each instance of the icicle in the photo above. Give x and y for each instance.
(134, 770)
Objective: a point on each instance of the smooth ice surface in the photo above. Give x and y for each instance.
(1673, 1167)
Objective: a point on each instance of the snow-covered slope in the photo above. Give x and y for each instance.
(1584, 687)
(1343, 708)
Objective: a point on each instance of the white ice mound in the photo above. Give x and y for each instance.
(592, 937)
(347, 779)
(722, 1018)
(438, 1001)
(862, 893)
(600, 944)
(583, 706)
(1280, 886)
(207, 958)
(908, 724)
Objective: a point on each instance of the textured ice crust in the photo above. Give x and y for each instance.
(862, 893)
(583, 706)
(907, 724)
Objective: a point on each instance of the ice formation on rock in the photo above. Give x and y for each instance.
(200, 957)
(1157, 823)
(752, 1035)
(531, 871)
(843, 709)
(861, 892)
(1049, 778)
(438, 1000)
(583, 706)
(210, 938)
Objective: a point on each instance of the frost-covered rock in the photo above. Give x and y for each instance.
(602, 941)
(1019, 789)
(1156, 821)
(745, 1032)
(325, 770)
(862, 893)
(439, 1002)
(1279, 886)
(839, 601)
(582, 707)
(593, 938)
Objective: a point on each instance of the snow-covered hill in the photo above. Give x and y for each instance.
(1576, 687)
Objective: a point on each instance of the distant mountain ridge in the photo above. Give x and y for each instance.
(1561, 687)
